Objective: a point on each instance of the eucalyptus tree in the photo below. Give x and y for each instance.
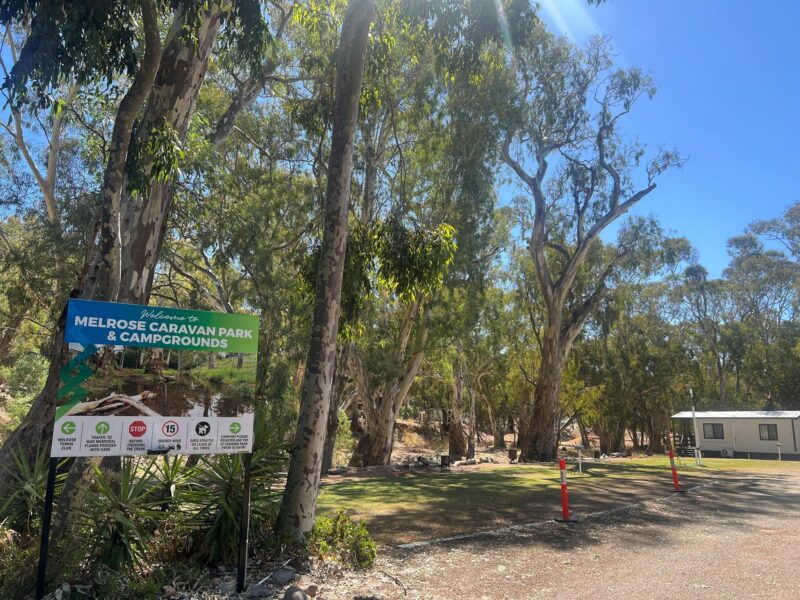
(569, 104)
(120, 43)
(429, 140)
(298, 508)
(764, 288)
(413, 261)
(784, 229)
(48, 189)
(710, 308)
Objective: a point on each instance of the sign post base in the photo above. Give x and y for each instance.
(47, 517)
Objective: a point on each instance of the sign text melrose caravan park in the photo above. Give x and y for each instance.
(123, 410)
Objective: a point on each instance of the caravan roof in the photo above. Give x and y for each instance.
(740, 414)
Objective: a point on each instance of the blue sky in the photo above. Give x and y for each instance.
(728, 75)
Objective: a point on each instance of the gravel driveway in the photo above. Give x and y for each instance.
(736, 537)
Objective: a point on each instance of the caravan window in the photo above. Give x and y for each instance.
(713, 431)
(768, 432)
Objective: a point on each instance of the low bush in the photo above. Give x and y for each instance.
(342, 539)
(24, 488)
(214, 497)
(135, 526)
(18, 562)
(345, 442)
(122, 513)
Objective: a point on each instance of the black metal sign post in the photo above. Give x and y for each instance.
(244, 525)
(47, 515)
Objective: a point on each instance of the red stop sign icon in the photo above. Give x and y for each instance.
(137, 428)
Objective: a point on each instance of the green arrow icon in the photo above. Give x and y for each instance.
(68, 428)
(102, 427)
(235, 427)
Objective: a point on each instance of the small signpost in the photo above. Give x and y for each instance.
(84, 425)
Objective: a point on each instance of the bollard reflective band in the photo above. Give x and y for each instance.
(675, 481)
(562, 465)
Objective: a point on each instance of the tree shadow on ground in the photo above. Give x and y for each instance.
(733, 502)
(422, 507)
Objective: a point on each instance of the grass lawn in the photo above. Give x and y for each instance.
(420, 505)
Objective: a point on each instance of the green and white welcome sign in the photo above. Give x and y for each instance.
(115, 411)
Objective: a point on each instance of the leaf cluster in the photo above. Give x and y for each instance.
(406, 261)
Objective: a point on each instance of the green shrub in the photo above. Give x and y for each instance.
(343, 540)
(27, 376)
(345, 442)
(121, 514)
(18, 562)
(214, 496)
(23, 491)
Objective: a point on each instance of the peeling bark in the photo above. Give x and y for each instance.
(107, 268)
(381, 402)
(172, 101)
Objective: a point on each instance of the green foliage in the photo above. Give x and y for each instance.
(165, 151)
(23, 492)
(162, 152)
(413, 260)
(18, 560)
(13, 412)
(98, 43)
(360, 256)
(344, 540)
(215, 497)
(70, 40)
(27, 375)
(227, 375)
(345, 442)
(407, 261)
(121, 513)
(217, 494)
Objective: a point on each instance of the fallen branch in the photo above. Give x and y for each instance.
(114, 401)
(396, 580)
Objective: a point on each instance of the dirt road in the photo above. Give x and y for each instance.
(736, 537)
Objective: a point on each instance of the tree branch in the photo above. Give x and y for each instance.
(249, 89)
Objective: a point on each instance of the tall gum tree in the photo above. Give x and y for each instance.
(298, 508)
(423, 151)
(145, 149)
(568, 105)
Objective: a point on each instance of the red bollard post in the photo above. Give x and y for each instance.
(562, 465)
(675, 481)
